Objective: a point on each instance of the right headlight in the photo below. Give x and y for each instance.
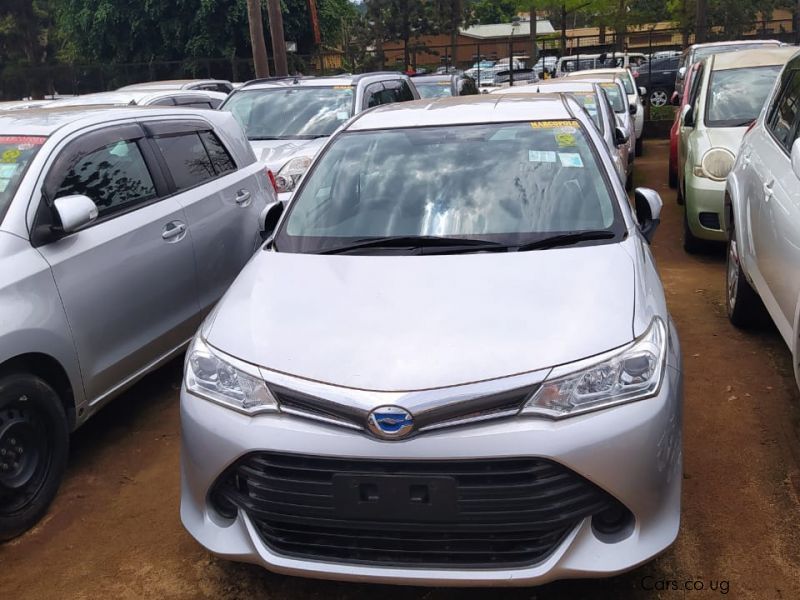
(291, 173)
(716, 164)
(211, 377)
(635, 373)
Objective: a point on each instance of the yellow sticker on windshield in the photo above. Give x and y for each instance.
(565, 139)
(552, 124)
(10, 156)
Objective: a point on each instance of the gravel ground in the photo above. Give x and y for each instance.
(114, 530)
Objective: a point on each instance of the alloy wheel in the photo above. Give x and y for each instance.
(732, 273)
(658, 98)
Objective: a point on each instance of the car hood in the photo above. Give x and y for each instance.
(725, 137)
(390, 323)
(276, 153)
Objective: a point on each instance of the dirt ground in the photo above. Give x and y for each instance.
(114, 530)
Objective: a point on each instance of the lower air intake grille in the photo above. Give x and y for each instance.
(488, 513)
(709, 220)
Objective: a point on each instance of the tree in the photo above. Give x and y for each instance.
(401, 20)
(256, 23)
(24, 31)
(493, 11)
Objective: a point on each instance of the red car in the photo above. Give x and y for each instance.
(676, 126)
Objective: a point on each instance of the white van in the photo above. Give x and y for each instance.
(587, 62)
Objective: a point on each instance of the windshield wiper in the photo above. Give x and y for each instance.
(417, 241)
(567, 239)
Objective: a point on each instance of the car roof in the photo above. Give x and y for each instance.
(136, 97)
(760, 57)
(604, 71)
(549, 86)
(435, 78)
(47, 120)
(310, 81)
(593, 76)
(733, 43)
(464, 110)
(170, 84)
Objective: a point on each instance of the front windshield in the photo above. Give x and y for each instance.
(435, 89)
(615, 96)
(299, 112)
(736, 96)
(508, 183)
(16, 153)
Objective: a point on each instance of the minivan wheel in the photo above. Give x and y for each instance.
(659, 98)
(742, 302)
(34, 442)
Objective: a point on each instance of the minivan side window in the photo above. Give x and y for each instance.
(115, 177)
(400, 90)
(220, 159)
(186, 158)
(376, 95)
(783, 120)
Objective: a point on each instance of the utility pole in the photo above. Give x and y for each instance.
(796, 23)
(278, 40)
(700, 27)
(534, 45)
(257, 42)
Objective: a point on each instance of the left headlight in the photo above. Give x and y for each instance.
(716, 164)
(291, 173)
(209, 376)
(635, 373)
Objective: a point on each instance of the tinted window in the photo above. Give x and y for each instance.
(16, 153)
(300, 112)
(220, 159)
(186, 159)
(114, 177)
(403, 92)
(783, 119)
(736, 96)
(377, 94)
(534, 178)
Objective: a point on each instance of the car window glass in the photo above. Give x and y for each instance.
(627, 81)
(727, 106)
(114, 177)
(535, 178)
(400, 91)
(784, 116)
(220, 159)
(16, 153)
(186, 158)
(435, 89)
(615, 96)
(589, 102)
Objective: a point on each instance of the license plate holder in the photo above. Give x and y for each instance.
(399, 498)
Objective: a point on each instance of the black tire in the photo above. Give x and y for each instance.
(680, 194)
(639, 146)
(691, 244)
(629, 182)
(673, 181)
(743, 304)
(34, 444)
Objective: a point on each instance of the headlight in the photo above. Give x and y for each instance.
(291, 173)
(633, 374)
(212, 378)
(716, 164)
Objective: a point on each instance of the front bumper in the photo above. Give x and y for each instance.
(632, 451)
(705, 201)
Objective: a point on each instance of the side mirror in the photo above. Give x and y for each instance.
(648, 211)
(74, 212)
(621, 137)
(796, 157)
(268, 220)
(632, 109)
(688, 116)
(642, 91)
(676, 99)
(681, 72)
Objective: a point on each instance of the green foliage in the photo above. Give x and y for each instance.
(494, 11)
(25, 28)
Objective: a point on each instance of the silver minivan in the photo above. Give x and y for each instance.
(119, 229)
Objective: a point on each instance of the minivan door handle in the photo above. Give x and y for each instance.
(174, 231)
(243, 197)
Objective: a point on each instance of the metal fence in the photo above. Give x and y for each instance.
(20, 81)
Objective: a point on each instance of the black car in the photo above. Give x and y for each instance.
(658, 77)
(440, 86)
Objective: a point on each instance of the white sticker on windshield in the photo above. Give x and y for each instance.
(571, 159)
(541, 156)
(343, 115)
(7, 171)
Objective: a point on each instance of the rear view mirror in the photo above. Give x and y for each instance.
(632, 109)
(74, 212)
(642, 91)
(268, 221)
(688, 116)
(796, 158)
(648, 211)
(681, 72)
(621, 137)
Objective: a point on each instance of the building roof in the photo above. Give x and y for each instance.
(465, 110)
(504, 30)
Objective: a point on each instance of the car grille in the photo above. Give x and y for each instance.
(508, 511)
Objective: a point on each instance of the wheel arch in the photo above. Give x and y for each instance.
(50, 370)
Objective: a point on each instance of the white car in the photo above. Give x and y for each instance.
(762, 212)
(726, 96)
(145, 97)
(634, 94)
